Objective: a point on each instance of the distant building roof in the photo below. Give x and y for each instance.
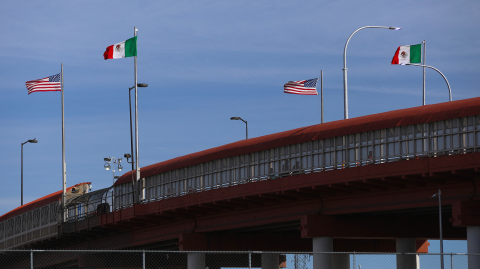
(45, 200)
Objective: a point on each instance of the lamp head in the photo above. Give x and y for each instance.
(33, 140)
(235, 118)
(107, 166)
(434, 195)
(120, 167)
(127, 155)
(108, 159)
(142, 85)
(395, 28)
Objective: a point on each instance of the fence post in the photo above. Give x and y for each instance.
(31, 258)
(354, 260)
(451, 260)
(143, 259)
(249, 260)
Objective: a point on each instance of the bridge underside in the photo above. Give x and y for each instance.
(363, 209)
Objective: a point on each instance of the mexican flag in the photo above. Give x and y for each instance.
(127, 48)
(408, 54)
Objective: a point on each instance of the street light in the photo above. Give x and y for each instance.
(133, 155)
(141, 85)
(444, 77)
(345, 91)
(115, 162)
(246, 124)
(439, 194)
(28, 141)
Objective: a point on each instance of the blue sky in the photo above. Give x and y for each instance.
(206, 61)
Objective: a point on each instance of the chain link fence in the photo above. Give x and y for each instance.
(230, 259)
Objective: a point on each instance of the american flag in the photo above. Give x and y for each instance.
(304, 87)
(48, 84)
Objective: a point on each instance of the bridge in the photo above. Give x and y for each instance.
(361, 184)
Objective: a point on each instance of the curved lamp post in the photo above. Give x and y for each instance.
(345, 91)
(445, 78)
(246, 124)
(29, 141)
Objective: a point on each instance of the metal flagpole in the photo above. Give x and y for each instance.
(136, 123)
(321, 89)
(64, 173)
(424, 56)
(321, 94)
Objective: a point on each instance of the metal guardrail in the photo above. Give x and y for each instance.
(448, 137)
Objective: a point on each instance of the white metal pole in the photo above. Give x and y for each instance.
(424, 57)
(21, 203)
(321, 90)
(440, 223)
(345, 89)
(445, 78)
(64, 175)
(136, 123)
(113, 169)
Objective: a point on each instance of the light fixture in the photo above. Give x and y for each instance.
(112, 163)
(28, 141)
(345, 87)
(246, 124)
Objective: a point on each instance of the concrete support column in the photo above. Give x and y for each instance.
(270, 260)
(322, 244)
(406, 245)
(473, 246)
(196, 260)
(328, 261)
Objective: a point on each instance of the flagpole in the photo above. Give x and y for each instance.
(137, 168)
(321, 94)
(321, 89)
(64, 175)
(424, 56)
